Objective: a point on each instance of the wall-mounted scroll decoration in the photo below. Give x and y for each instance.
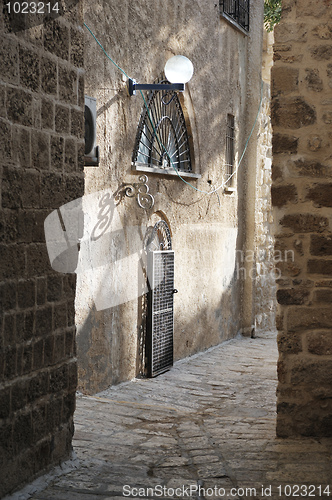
(140, 190)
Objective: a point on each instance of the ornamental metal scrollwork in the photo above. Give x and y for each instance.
(159, 237)
(140, 190)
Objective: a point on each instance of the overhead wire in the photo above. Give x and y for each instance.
(223, 184)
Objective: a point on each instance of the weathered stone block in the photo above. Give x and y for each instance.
(320, 194)
(69, 404)
(9, 60)
(277, 173)
(323, 296)
(283, 194)
(30, 226)
(22, 150)
(56, 39)
(5, 141)
(320, 245)
(60, 316)
(40, 142)
(44, 321)
(29, 69)
(308, 372)
(70, 155)
(72, 376)
(37, 260)
(8, 296)
(28, 329)
(304, 223)
(61, 119)
(327, 117)
(19, 106)
(19, 391)
(311, 168)
(323, 31)
(9, 329)
(26, 365)
(284, 79)
(316, 266)
(74, 187)
(329, 74)
(54, 413)
(291, 32)
(77, 123)
(54, 288)
(39, 422)
(58, 379)
(69, 345)
(22, 432)
(26, 294)
(47, 114)
(38, 355)
(312, 8)
(10, 365)
(49, 76)
(59, 344)
(30, 194)
(292, 112)
(41, 291)
(313, 80)
(314, 143)
(38, 386)
(12, 262)
(77, 48)
(321, 52)
(81, 91)
(68, 90)
(292, 296)
(289, 343)
(5, 403)
(49, 350)
(284, 144)
(308, 318)
(52, 190)
(57, 152)
(320, 343)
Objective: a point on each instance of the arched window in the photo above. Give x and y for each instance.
(162, 143)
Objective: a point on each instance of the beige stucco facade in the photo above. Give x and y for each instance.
(215, 301)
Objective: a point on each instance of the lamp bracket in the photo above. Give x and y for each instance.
(133, 86)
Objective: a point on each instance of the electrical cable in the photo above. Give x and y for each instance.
(222, 185)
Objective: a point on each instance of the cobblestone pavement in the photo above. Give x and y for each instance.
(206, 427)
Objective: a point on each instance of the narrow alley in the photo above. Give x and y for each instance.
(205, 429)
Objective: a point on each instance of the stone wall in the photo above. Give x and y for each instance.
(301, 195)
(265, 286)
(41, 140)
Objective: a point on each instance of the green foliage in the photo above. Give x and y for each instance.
(272, 13)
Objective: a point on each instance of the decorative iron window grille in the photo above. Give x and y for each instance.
(162, 140)
(238, 10)
(230, 150)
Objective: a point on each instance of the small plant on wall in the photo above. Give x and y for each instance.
(272, 13)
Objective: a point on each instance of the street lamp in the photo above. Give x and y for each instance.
(178, 71)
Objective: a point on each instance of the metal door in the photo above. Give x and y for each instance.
(161, 302)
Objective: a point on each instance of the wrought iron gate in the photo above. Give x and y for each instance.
(161, 301)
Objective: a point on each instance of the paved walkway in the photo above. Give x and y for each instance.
(205, 429)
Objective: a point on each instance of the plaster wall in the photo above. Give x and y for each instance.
(213, 303)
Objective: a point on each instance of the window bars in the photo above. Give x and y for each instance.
(162, 140)
(230, 149)
(237, 10)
